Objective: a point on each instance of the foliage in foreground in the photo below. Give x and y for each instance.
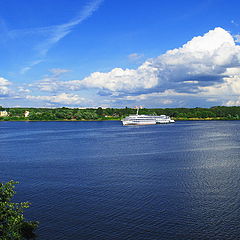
(13, 225)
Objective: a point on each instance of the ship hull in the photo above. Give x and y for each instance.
(126, 124)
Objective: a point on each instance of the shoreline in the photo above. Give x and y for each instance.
(116, 114)
(105, 120)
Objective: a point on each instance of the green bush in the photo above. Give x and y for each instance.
(13, 225)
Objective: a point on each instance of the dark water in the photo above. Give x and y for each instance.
(100, 180)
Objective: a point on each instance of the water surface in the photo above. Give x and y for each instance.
(100, 180)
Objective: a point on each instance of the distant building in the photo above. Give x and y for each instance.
(3, 113)
(26, 114)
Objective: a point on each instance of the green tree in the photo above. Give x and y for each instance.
(13, 225)
(99, 111)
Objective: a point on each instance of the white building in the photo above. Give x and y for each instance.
(26, 114)
(3, 113)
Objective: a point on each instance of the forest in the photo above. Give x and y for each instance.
(88, 114)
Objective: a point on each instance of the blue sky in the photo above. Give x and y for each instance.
(117, 53)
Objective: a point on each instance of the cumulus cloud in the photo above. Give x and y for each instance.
(237, 38)
(229, 88)
(4, 89)
(63, 98)
(116, 80)
(144, 77)
(47, 84)
(233, 102)
(206, 66)
(4, 82)
(203, 61)
(51, 82)
(23, 90)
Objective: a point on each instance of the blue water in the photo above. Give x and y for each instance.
(100, 180)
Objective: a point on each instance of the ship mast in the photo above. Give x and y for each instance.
(138, 107)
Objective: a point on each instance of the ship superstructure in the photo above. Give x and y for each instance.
(146, 119)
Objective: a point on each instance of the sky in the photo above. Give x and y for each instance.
(119, 53)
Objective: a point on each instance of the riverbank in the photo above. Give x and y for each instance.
(205, 119)
(116, 114)
(104, 120)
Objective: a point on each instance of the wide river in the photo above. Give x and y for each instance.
(103, 181)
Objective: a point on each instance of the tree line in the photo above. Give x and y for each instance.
(59, 114)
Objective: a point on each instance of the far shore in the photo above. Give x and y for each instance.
(116, 114)
(105, 120)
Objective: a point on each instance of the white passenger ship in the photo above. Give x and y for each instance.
(146, 119)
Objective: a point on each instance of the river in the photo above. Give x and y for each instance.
(100, 180)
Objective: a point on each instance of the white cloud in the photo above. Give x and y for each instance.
(190, 82)
(166, 93)
(51, 82)
(144, 77)
(63, 98)
(233, 102)
(29, 67)
(229, 87)
(58, 71)
(53, 34)
(237, 38)
(4, 89)
(135, 57)
(23, 90)
(56, 33)
(206, 66)
(167, 101)
(203, 61)
(4, 82)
